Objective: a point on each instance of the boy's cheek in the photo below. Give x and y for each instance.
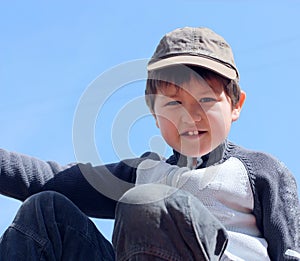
(165, 123)
(164, 118)
(168, 129)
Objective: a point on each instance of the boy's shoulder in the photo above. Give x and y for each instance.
(259, 164)
(251, 156)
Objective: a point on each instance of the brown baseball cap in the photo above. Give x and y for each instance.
(198, 46)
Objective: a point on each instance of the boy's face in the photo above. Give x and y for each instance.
(196, 117)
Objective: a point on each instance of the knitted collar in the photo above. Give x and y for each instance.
(205, 161)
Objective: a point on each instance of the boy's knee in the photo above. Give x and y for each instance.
(46, 202)
(160, 202)
(46, 207)
(147, 194)
(44, 198)
(151, 202)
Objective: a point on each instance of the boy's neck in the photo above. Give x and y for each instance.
(193, 163)
(205, 161)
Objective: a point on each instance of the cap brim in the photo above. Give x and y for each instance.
(208, 63)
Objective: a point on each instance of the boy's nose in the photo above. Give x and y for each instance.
(193, 113)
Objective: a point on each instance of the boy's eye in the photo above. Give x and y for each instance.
(172, 103)
(207, 99)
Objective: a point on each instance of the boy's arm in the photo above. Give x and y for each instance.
(22, 176)
(277, 209)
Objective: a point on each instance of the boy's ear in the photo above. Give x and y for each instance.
(238, 107)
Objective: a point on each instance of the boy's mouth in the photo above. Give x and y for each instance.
(193, 133)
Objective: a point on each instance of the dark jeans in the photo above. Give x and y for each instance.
(153, 222)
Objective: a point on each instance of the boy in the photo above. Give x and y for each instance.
(210, 200)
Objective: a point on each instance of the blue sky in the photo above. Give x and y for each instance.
(51, 52)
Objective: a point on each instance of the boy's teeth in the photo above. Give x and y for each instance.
(193, 133)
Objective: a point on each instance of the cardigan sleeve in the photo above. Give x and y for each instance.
(95, 190)
(22, 175)
(276, 206)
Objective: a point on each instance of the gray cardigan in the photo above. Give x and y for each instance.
(276, 203)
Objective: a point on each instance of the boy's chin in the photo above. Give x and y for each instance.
(196, 153)
(192, 154)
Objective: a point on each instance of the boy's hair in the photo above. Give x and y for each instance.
(176, 75)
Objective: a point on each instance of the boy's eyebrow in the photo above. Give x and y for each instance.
(208, 91)
(172, 95)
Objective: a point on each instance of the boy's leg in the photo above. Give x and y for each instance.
(157, 222)
(48, 226)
